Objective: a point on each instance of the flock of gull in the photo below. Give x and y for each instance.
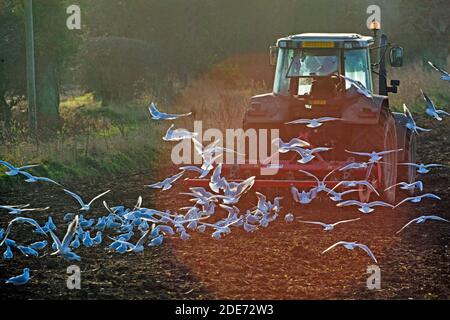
(130, 230)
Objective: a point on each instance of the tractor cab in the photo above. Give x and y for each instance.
(312, 64)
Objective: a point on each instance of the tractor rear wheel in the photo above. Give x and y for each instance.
(408, 173)
(378, 138)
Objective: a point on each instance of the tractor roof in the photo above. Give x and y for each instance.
(324, 40)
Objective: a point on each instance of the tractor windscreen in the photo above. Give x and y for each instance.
(304, 66)
(314, 63)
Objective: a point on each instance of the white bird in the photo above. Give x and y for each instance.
(63, 247)
(423, 219)
(418, 199)
(84, 206)
(321, 185)
(352, 184)
(359, 86)
(21, 209)
(303, 197)
(374, 156)
(217, 182)
(365, 207)
(351, 246)
(234, 190)
(209, 151)
(284, 147)
(431, 109)
(423, 168)
(203, 197)
(21, 220)
(314, 123)
(220, 229)
(411, 123)
(337, 197)
(329, 227)
(202, 171)
(157, 115)
(356, 165)
(178, 134)
(408, 186)
(445, 75)
(307, 155)
(13, 171)
(166, 184)
(33, 179)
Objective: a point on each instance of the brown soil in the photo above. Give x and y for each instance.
(283, 261)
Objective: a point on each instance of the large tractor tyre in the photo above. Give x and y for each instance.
(408, 173)
(379, 138)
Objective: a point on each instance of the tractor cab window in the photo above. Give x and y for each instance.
(304, 68)
(357, 67)
(314, 63)
(281, 82)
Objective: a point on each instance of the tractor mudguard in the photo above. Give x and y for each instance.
(364, 110)
(267, 108)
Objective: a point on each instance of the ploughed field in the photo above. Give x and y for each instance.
(282, 261)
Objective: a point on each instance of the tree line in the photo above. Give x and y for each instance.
(125, 47)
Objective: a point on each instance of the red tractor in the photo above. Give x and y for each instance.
(313, 79)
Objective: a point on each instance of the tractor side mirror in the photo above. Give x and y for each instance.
(273, 55)
(396, 57)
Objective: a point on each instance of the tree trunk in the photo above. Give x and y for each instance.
(5, 112)
(47, 99)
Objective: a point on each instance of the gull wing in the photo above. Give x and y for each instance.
(57, 242)
(175, 177)
(368, 251)
(311, 175)
(403, 201)
(382, 153)
(47, 180)
(381, 204)
(435, 166)
(349, 203)
(393, 186)
(430, 195)
(359, 153)
(314, 222)
(345, 221)
(406, 225)
(299, 121)
(325, 119)
(28, 167)
(7, 164)
(438, 218)
(430, 103)
(71, 230)
(75, 196)
(154, 112)
(335, 245)
(22, 220)
(409, 164)
(435, 67)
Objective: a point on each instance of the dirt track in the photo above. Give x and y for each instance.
(280, 262)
